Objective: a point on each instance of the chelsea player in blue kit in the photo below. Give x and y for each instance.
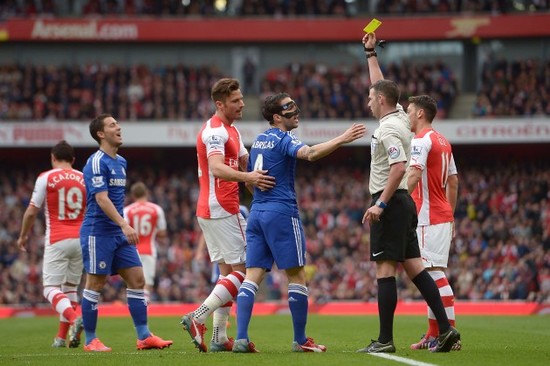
(108, 241)
(274, 232)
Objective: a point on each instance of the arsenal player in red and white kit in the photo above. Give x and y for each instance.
(222, 163)
(149, 221)
(433, 184)
(62, 193)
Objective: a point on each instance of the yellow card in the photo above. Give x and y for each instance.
(372, 26)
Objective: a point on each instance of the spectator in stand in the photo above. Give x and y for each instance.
(149, 221)
(435, 196)
(62, 193)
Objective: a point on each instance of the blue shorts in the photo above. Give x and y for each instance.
(104, 255)
(272, 237)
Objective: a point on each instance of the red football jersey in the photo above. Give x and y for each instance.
(217, 197)
(432, 153)
(147, 218)
(63, 194)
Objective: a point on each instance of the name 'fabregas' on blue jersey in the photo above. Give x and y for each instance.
(275, 151)
(104, 173)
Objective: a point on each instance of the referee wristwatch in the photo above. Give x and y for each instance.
(381, 204)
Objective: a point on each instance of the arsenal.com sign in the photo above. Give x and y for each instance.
(87, 30)
(237, 30)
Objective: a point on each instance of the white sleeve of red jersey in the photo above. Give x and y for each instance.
(452, 166)
(214, 140)
(420, 148)
(242, 150)
(161, 218)
(39, 192)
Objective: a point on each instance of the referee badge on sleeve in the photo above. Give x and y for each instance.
(393, 152)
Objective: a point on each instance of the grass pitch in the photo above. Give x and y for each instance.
(486, 341)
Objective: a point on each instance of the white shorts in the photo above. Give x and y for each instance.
(225, 238)
(62, 263)
(149, 263)
(435, 244)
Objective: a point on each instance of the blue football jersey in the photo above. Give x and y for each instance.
(103, 173)
(275, 151)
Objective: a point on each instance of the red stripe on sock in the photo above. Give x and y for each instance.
(230, 286)
(57, 298)
(227, 304)
(238, 275)
(442, 282)
(448, 301)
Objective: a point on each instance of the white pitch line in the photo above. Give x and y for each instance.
(404, 360)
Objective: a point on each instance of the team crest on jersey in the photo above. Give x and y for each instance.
(393, 152)
(97, 181)
(102, 265)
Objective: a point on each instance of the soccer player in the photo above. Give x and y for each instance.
(392, 215)
(222, 160)
(62, 193)
(433, 184)
(108, 242)
(275, 232)
(149, 221)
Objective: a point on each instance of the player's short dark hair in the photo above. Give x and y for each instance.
(63, 151)
(97, 125)
(138, 190)
(223, 89)
(388, 89)
(272, 106)
(427, 103)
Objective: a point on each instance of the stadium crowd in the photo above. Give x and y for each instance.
(262, 8)
(181, 92)
(167, 8)
(518, 88)
(501, 250)
(459, 6)
(333, 92)
(28, 92)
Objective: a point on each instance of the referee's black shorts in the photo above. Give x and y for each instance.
(394, 236)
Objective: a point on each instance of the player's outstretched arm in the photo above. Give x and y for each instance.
(316, 152)
(369, 43)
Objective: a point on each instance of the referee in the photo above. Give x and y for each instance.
(392, 217)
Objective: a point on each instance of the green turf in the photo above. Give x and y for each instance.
(486, 341)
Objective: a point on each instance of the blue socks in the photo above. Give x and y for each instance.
(90, 299)
(245, 303)
(138, 309)
(298, 304)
